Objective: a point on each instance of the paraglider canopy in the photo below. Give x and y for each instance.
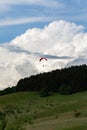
(42, 58)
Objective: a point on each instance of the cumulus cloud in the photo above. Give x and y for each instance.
(58, 34)
(61, 42)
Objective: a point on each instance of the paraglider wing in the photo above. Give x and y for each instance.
(42, 58)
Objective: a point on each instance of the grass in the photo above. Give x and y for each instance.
(29, 111)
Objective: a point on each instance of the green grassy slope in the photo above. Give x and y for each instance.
(29, 111)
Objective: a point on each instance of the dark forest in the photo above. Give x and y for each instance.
(63, 81)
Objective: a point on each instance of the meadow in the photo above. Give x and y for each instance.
(29, 111)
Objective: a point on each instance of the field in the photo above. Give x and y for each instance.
(29, 111)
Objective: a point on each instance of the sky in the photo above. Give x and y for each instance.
(30, 29)
(19, 15)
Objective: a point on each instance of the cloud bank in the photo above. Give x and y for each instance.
(61, 42)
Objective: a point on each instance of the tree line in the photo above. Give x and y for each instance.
(64, 81)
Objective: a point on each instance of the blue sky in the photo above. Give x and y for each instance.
(19, 15)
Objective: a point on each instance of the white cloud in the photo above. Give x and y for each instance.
(11, 21)
(56, 33)
(62, 43)
(49, 3)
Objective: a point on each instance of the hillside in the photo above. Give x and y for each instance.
(64, 81)
(29, 111)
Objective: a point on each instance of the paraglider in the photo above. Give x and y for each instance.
(43, 60)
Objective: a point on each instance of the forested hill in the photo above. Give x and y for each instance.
(64, 81)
